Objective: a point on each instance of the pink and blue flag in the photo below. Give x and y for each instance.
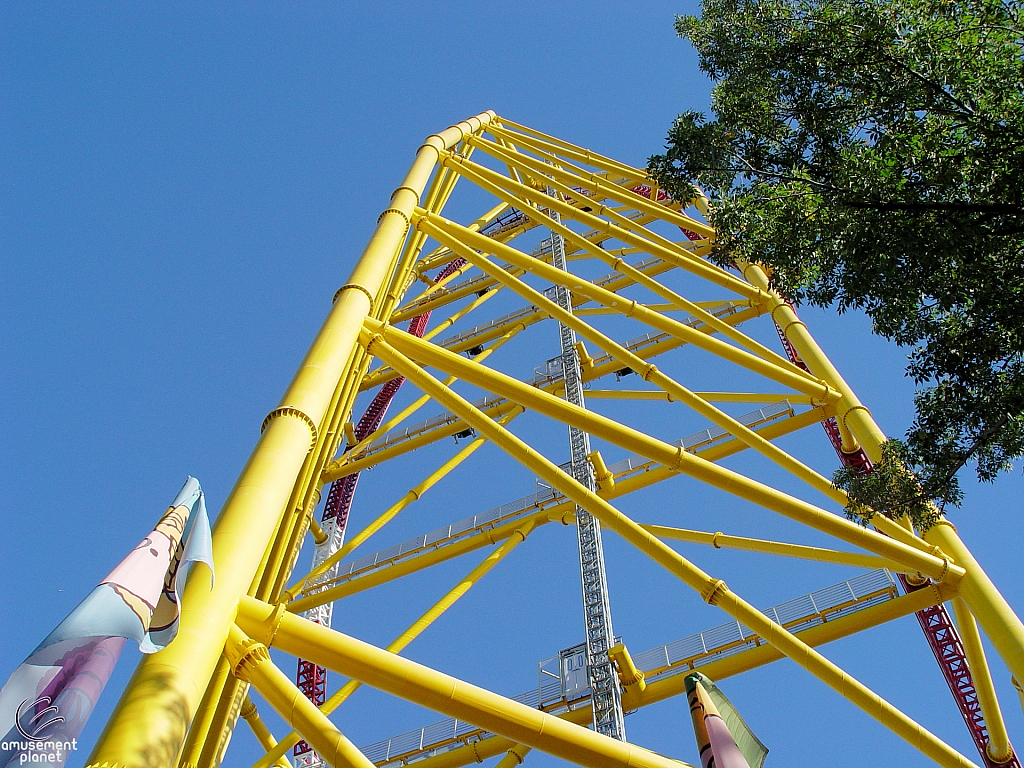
(46, 702)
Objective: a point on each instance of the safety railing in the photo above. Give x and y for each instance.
(542, 499)
(797, 615)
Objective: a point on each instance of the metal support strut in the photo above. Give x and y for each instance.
(939, 629)
(604, 683)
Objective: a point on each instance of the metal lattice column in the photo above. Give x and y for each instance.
(604, 683)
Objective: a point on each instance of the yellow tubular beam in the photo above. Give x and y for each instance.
(513, 757)
(338, 469)
(833, 629)
(263, 735)
(223, 724)
(999, 748)
(564, 180)
(989, 607)
(410, 409)
(673, 457)
(250, 660)
(713, 591)
(720, 540)
(414, 494)
(744, 661)
(442, 693)
(558, 512)
(450, 321)
(504, 188)
(553, 146)
(149, 723)
(415, 630)
(787, 375)
(432, 558)
(647, 371)
(199, 732)
(1003, 627)
(441, 255)
(711, 397)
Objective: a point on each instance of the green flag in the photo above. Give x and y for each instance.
(753, 751)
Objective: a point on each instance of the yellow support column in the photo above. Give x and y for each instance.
(148, 727)
(1003, 627)
(999, 749)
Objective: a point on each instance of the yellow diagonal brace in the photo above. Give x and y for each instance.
(789, 375)
(720, 540)
(415, 630)
(427, 560)
(744, 661)
(590, 181)
(412, 495)
(647, 371)
(251, 662)
(999, 621)
(551, 145)
(442, 693)
(263, 735)
(713, 591)
(415, 405)
(503, 187)
(999, 749)
(674, 457)
(711, 397)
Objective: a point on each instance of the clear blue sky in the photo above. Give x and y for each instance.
(183, 188)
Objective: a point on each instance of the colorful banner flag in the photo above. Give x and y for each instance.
(46, 702)
(723, 736)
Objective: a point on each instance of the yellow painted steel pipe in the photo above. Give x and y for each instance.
(148, 726)
(431, 558)
(505, 188)
(513, 757)
(744, 661)
(223, 725)
(415, 629)
(987, 605)
(442, 693)
(414, 494)
(999, 749)
(259, 729)
(632, 679)
(713, 591)
(999, 621)
(711, 397)
(380, 336)
(720, 540)
(352, 454)
(251, 662)
(199, 732)
(647, 371)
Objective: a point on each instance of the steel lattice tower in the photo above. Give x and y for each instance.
(587, 246)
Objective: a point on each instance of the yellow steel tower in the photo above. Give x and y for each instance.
(593, 245)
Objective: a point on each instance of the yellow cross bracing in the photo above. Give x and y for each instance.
(182, 704)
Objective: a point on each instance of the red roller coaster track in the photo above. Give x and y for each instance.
(938, 628)
(310, 678)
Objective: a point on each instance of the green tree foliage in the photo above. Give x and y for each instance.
(871, 153)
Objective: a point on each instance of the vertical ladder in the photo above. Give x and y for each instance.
(604, 683)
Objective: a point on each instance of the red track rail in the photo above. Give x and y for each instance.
(311, 678)
(938, 628)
